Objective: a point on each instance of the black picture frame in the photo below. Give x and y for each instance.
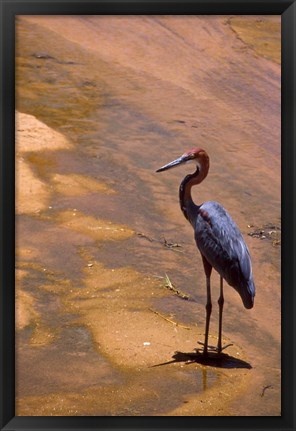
(9, 9)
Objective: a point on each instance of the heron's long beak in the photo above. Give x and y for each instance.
(174, 163)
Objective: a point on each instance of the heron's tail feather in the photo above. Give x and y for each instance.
(247, 293)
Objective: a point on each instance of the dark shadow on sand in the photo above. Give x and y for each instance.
(212, 359)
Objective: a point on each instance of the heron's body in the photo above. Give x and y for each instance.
(221, 243)
(217, 237)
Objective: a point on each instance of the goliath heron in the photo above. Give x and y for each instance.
(218, 239)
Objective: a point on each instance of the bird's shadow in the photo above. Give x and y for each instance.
(213, 359)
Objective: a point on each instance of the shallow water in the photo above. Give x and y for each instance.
(93, 256)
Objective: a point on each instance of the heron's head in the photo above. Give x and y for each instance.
(196, 155)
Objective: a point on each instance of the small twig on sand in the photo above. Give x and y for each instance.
(172, 245)
(169, 320)
(169, 285)
(145, 236)
(264, 389)
(167, 244)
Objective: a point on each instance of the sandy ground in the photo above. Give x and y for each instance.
(102, 102)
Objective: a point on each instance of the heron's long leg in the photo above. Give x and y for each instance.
(208, 314)
(221, 303)
(208, 270)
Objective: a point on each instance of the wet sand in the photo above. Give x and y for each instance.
(102, 102)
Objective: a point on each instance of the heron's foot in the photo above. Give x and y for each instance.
(217, 349)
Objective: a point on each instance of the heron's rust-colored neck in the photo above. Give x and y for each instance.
(188, 207)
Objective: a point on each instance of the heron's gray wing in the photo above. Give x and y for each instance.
(220, 241)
